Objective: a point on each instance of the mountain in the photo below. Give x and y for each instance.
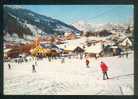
(85, 26)
(22, 22)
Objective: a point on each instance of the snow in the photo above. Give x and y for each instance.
(14, 35)
(83, 26)
(31, 14)
(37, 20)
(13, 38)
(33, 28)
(90, 26)
(125, 42)
(71, 77)
(7, 50)
(94, 48)
(12, 16)
(28, 37)
(63, 28)
(72, 44)
(7, 36)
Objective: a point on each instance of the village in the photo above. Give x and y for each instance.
(46, 56)
(106, 44)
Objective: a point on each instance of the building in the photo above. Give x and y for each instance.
(6, 52)
(94, 50)
(126, 43)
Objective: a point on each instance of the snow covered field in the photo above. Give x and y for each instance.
(71, 77)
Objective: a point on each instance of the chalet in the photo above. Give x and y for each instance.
(125, 42)
(70, 48)
(51, 46)
(5, 52)
(94, 50)
(78, 50)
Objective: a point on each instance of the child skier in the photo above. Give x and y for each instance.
(87, 63)
(9, 66)
(104, 69)
(33, 68)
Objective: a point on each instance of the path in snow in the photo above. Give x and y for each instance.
(70, 78)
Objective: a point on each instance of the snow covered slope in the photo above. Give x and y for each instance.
(23, 21)
(71, 77)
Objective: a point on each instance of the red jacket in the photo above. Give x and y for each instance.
(104, 67)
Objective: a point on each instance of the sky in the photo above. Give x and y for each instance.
(87, 13)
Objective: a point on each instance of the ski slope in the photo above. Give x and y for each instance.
(71, 77)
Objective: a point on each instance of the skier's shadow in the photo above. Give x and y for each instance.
(115, 77)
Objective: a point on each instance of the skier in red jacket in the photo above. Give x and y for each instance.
(104, 69)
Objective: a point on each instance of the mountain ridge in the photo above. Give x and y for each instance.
(24, 21)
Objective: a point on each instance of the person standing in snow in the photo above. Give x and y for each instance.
(87, 63)
(104, 69)
(33, 68)
(9, 66)
(126, 54)
(81, 57)
(119, 50)
(36, 63)
(63, 60)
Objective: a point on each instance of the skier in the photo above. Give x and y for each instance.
(49, 58)
(81, 57)
(126, 54)
(104, 69)
(87, 63)
(36, 63)
(9, 66)
(33, 68)
(119, 50)
(63, 60)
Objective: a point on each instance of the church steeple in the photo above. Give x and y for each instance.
(37, 40)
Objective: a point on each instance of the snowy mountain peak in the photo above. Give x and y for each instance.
(83, 26)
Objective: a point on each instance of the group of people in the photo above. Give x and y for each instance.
(33, 66)
(103, 66)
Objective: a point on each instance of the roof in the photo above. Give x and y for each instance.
(94, 48)
(78, 49)
(7, 50)
(51, 46)
(70, 47)
(48, 46)
(114, 47)
(124, 42)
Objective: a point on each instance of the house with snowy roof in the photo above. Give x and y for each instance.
(125, 42)
(51, 46)
(94, 50)
(6, 50)
(71, 47)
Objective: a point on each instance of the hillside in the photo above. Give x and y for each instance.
(25, 22)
